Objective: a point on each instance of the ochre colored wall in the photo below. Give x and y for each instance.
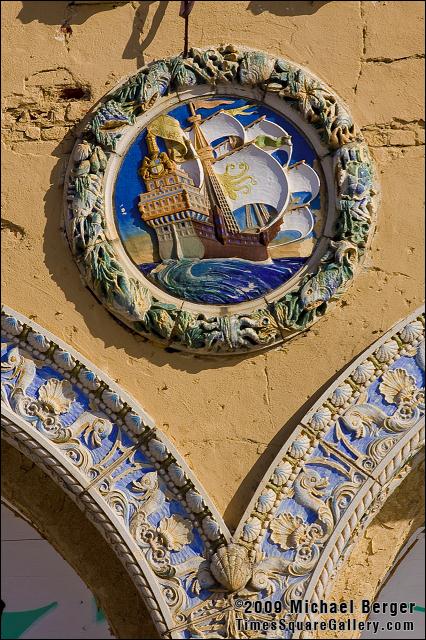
(227, 416)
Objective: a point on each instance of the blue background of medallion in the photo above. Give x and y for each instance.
(218, 281)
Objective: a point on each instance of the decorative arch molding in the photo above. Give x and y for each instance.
(369, 563)
(32, 494)
(346, 456)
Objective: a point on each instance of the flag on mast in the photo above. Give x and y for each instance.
(186, 8)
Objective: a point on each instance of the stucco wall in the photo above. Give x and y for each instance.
(228, 416)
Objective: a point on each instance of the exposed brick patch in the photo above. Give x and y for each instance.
(398, 133)
(53, 101)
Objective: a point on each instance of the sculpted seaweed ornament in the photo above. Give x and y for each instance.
(346, 176)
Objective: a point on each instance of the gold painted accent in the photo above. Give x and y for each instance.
(233, 183)
(170, 130)
(240, 110)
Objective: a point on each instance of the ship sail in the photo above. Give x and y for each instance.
(194, 188)
(265, 134)
(249, 175)
(300, 222)
(194, 168)
(266, 137)
(304, 184)
(269, 136)
(220, 125)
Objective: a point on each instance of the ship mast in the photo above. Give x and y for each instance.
(214, 188)
(260, 213)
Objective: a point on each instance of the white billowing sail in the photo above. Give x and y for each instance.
(194, 167)
(298, 220)
(220, 125)
(303, 180)
(271, 130)
(251, 176)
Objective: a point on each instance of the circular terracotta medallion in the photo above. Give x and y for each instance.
(219, 202)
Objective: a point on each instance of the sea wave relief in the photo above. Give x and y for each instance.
(220, 281)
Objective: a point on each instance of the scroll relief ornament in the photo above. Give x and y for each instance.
(220, 202)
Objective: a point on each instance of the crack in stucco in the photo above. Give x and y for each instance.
(384, 60)
(210, 441)
(267, 395)
(395, 134)
(363, 44)
(379, 59)
(16, 229)
(390, 273)
(393, 124)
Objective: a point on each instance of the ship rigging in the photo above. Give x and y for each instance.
(194, 189)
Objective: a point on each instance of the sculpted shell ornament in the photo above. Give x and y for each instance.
(230, 566)
(177, 475)
(363, 372)
(64, 360)
(289, 531)
(38, 341)
(299, 447)
(386, 352)
(251, 529)
(11, 325)
(176, 532)
(195, 501)
(56, 396)
(89, 379)
(321, 418)
(341, 395)
(281, 474)
(211, 528)
(239, 327)
(397, 386)
(266, 501)
(412, 332)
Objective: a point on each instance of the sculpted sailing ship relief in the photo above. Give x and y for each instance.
(217, 201)
(214, 169)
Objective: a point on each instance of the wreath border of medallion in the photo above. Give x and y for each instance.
(219, 70)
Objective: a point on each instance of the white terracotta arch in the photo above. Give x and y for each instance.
(347, 455)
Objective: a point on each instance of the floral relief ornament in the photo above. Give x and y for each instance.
(241, 328)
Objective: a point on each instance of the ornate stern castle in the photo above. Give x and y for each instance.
(172, 205)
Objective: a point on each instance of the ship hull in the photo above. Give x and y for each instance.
(211, 240)
(204, 248)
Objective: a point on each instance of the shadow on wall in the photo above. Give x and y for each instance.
(285, 8)
(136, 46)
(58, 12)
(61, 12)
(67, 14)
